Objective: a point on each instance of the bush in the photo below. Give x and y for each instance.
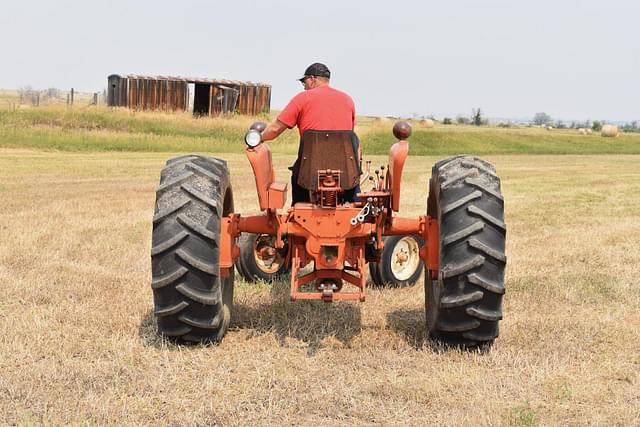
(446, 121)
(597, 126)
(631, 127)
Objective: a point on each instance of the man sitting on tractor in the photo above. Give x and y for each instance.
(319, 107)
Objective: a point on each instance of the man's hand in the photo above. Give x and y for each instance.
(273, 130)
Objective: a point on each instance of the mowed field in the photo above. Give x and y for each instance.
(78, 344)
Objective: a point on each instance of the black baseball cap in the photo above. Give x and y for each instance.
(316, 69)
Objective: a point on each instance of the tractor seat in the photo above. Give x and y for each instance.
(328, 149)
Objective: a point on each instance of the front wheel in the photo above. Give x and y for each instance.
(464, 304)
(400, 264)
(260, 259)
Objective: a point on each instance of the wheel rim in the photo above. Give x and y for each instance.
(266, 255)
(405, 258)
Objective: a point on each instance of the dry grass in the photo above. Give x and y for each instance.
(78, 343)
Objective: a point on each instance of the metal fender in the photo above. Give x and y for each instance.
(262, 165)
(397, 156)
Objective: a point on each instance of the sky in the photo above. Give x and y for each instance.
(571, 59)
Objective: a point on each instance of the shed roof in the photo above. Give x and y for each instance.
(191, 80)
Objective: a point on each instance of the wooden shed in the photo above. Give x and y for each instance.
(202, 96)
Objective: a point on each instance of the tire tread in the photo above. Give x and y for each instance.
(464, 305)
(191, 300)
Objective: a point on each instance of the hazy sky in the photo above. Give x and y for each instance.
(571, 59)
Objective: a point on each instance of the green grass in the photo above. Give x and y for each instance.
(74, 140)
(524, 416)
(101, 129)
(91, 119)
(447, 140)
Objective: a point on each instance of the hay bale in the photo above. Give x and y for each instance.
(582, 131)
(589, 131)
(427, 123)
(610, 131)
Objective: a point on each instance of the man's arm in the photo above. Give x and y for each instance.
(273, 130)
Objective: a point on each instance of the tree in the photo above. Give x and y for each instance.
(446, 121)
(476, 116)
(596, 126)
(462, 120)
(541, 119)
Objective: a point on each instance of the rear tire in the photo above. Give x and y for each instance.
(259, 258)
(464, 304)
(400, 264)
(191, 301)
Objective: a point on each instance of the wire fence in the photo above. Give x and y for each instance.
(28, 96)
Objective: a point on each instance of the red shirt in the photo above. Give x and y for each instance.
(322, 108)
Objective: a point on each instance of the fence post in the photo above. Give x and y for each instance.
(71, 96)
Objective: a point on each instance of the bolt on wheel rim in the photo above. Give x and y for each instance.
(405, 258)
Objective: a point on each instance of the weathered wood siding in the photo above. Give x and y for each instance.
(171, 94)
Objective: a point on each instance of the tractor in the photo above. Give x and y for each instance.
(324, 245)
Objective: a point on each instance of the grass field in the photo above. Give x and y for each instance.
(78, 342)
(100, 129)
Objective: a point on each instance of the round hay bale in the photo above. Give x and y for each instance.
(589, 131)
(582, 131)
(427, 123)
(610, 131)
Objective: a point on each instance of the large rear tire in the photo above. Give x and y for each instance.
(464, 304)
(191, 301)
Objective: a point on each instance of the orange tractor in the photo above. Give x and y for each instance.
(326, 244)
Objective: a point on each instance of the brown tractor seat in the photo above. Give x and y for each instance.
(328, 149)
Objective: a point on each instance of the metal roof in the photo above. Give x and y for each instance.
(191, 80)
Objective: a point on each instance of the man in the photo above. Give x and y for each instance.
(319, 107)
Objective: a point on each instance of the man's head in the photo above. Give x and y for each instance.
(315, 75)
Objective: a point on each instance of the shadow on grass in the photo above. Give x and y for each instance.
(148, 332)
(410, 324)
(307, 321)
